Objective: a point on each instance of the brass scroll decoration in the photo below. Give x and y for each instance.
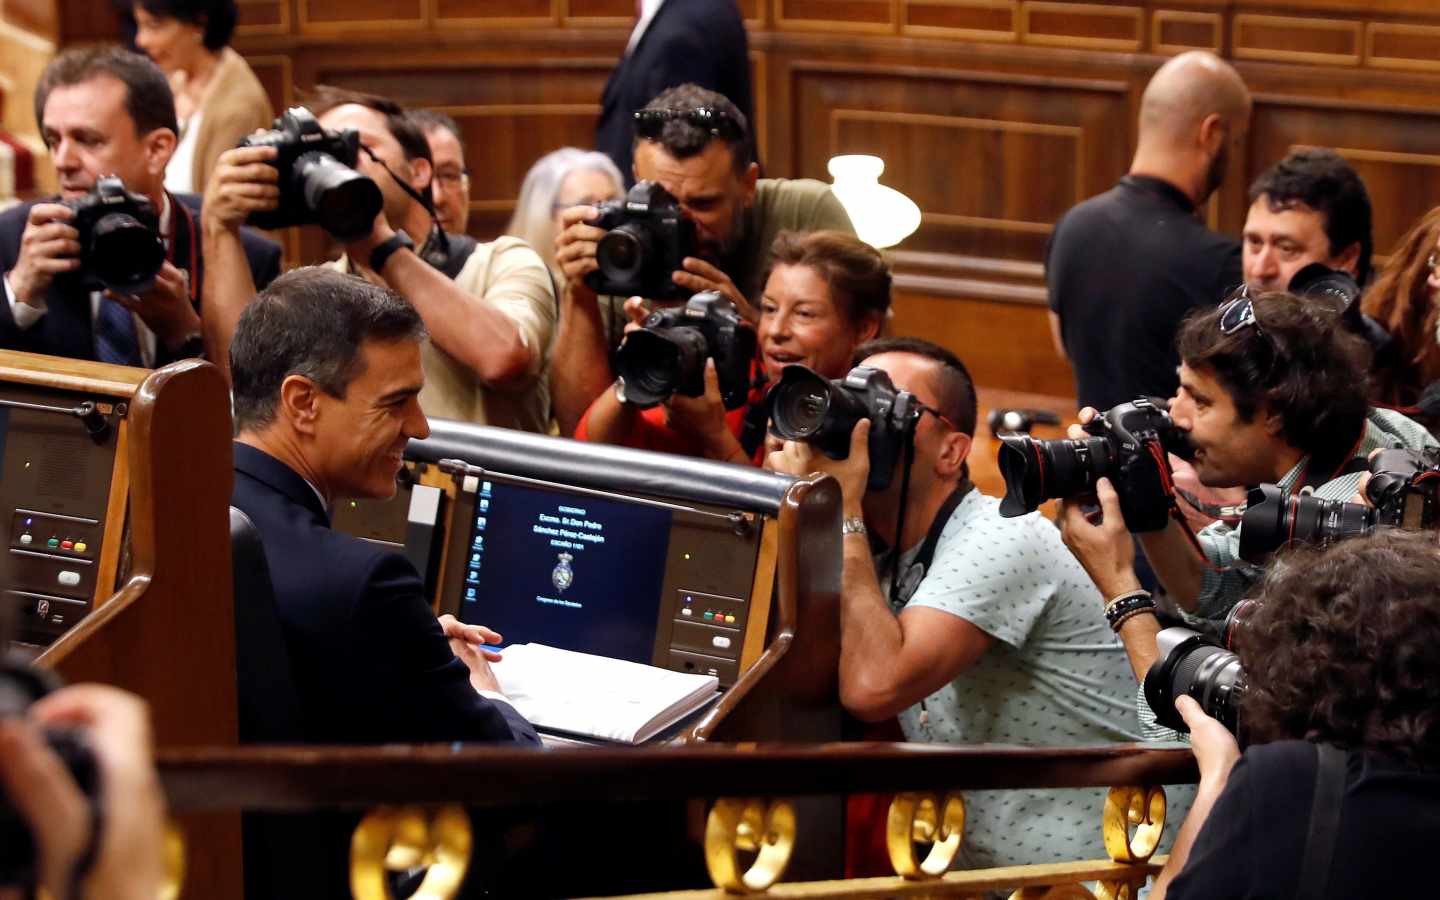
(748, 826)
(397, 838)
(920, 818)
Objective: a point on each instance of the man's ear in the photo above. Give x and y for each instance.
(421, 171)
(158, 146)
(954, 450)
(299, 403)
(1348, 260)
(747, 182)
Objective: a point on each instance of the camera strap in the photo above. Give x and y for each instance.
(1324, 829)
(436, 249)
(905, 582)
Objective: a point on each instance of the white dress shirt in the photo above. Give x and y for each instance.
(648, 9)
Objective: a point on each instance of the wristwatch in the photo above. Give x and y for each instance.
(853, 525)
(386, 248)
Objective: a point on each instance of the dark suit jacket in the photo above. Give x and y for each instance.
(369, 660)
(66, 328)
(700, 41)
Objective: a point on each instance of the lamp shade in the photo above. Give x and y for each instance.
(882, 216)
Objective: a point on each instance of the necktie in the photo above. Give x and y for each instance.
(115, 338)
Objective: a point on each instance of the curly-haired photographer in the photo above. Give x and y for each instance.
(1342, 653)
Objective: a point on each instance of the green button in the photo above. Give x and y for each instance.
(53, 542)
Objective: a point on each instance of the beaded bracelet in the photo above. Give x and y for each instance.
(1126, 605)
(1125, 617)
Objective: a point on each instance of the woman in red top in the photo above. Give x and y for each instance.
(827, 293)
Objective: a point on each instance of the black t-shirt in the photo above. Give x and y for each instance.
(1254, 839)
(1123, 269)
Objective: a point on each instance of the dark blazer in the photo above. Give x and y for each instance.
(700, 41)
(66, 328)
(369, 660)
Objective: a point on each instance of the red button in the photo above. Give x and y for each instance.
(67, 545)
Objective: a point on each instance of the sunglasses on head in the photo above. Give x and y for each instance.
(649, 123)
(1238, 313)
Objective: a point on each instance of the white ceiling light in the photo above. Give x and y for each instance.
(882, 216)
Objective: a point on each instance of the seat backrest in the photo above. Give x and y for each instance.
(269, 701)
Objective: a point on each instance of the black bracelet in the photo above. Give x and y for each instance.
(1127, 605)
(387, 248)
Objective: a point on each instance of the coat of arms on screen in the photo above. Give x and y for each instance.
(562, 576)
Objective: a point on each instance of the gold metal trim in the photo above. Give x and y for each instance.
(920, 819)
(173, 851)
(748, 825)
(1141, 807)
(1056, 892)
(394, 838)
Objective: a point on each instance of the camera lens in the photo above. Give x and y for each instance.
(624, 252)
(1274, 519)
(124, 254)
(1192, 665)
(1036, 471)
(806, 406)
(344, 202)
(656, 364)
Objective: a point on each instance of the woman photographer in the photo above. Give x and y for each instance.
(1343, 651)
(1405, 299)
(826, 294)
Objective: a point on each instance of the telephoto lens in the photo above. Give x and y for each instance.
(1036, 470)
(805, 406)
(1274, 519)
(344, 202)
(1194, 665)
(124, 254)
(655, 363)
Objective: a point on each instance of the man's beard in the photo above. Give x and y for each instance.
(1215, 175)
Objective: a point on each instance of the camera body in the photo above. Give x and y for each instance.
(21, 685)
(1404, 489)
(1192, 664)
(647, 238)
(120, 246)
(318, 182)
(1128, 446)
(804, 406)
(667, 354)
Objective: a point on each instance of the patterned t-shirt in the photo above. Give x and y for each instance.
(1055, 675)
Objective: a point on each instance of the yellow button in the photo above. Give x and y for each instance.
(80, 547)
(729, 620)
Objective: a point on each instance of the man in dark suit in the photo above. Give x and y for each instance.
(326, 373)
(106, 111)
(674, 42)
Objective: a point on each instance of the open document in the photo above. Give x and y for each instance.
(596, 696)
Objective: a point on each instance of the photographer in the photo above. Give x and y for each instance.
(696, 145)
(127, 862)
(489, 308)
(988, 633)
(1310, 207)
(105, 111)
(1342, 680)
(827, 293)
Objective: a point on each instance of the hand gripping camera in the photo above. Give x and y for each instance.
(667, 354)
(647, 239)
(1404, 487)
(1192, 664)
(1128, 447)
(804, 406)
(318, 182)
(120, 245)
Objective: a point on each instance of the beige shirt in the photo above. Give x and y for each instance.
(507, 273)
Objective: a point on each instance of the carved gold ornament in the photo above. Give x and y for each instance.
(920, 818)
(1140, 808)
(396, 838)
(755, 826)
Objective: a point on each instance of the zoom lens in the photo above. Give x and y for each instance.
(806, 406)
(1274, 519)
(1192, 665)
(656, 364)
(124, 254)
(344, 202)
(624, 252)
(1036, 471)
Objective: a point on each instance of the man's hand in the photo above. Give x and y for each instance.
(165, 307)
(637, 310)
(1216, 751)
(242, 182)
(49, 246)
(1104, 548)
(466, 642)
(853, 472)
(704, 417)
(115, 726)
(359, 249)
(575, 247)
(699, 275)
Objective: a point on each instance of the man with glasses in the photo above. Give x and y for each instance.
(450, 187)
(489, 309)
(1271, 391)
(696, 144)
(984, 630)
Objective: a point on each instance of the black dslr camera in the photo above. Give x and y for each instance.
(647, 239)
(1128, 447)
(1192, 664)
(120, 245)
(805, 406)
(667, 354)
(318, 184)
(1404, 488)
(21, 685)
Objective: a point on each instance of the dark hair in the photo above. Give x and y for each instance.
(682, 139)
(1322, 180)
(1297, 362)
(428, 120)
(856, 274)
(148, 99)
(401, 124)
(311, 322)
(1345, 648)
(956, 389)
(1400, 301)
(218, 17)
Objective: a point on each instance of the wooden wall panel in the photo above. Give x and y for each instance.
(1296, 39)
(979, 20)
(1175, 31)
(495, 13)
(379, 15)
(837, 15)
(263, 17)
(1082, 25)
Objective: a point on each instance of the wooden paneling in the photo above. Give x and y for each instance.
(982, 20)
(1082, 25)
(263, 17)
(1175, 31)
(494, 13)
(1391, 45)
(384, 15)
(837, 15)
(1296, 39)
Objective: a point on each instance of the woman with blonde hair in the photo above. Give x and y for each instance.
(1405, 299)
(559, 180)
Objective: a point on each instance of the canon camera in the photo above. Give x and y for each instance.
(806, 406)
(667, 354)
(1128, 446)
(647, 237)
(318, 182)
(1191, 664)
(120, 246)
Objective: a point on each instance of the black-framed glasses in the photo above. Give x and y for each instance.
(649, 123)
